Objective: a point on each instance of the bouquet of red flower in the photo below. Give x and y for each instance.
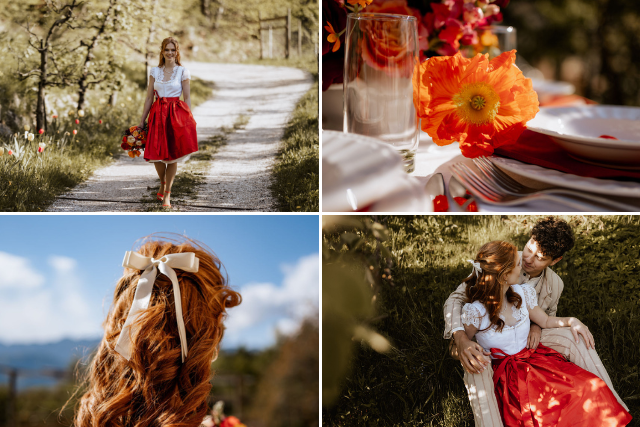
(134, 139)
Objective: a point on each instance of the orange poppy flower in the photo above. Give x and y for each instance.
(481, 104)
(332, 37)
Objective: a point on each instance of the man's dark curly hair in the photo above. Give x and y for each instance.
(553, 236)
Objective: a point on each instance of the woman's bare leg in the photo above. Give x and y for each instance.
(161, 169)
(172, 169)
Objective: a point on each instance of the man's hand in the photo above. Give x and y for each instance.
(534, 336)
(577, 327)
(472, 355)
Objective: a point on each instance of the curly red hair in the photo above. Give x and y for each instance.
(165, 42)
(155, 388)
(497, 259)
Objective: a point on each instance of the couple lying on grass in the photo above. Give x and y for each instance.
(550, 377)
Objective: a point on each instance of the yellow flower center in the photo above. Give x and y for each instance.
(477, 103)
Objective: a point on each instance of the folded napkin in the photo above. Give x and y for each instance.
(363, 174)
(538, 149)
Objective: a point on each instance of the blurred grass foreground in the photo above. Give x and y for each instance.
(73, 75)
(395, 273)
(273, 387)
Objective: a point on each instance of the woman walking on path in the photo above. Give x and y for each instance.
(172, 130)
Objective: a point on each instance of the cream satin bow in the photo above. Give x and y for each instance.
(476, 267)
(184, 261)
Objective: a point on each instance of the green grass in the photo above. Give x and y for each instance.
(417, 383)
(296, 178)
(185, 185)
(296, 174)
(32, 181)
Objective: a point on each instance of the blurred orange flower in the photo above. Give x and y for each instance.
(332, 37)
(481, 104)
(362, 3)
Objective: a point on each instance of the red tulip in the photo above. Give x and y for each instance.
(40, 149)
(100, 121)
(41, 131)
(10, 152)
(55, 116)
(75, 132)
(77, 121)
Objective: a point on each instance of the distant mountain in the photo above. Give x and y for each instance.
(31, 359)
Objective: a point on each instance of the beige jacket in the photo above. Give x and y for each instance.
(548, 286)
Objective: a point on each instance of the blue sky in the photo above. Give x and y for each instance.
(59, 271)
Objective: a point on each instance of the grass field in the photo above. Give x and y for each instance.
(32, 180)
(416, 383)
(296, 176)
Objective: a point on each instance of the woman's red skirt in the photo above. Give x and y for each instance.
(541, 388)
(172, 131)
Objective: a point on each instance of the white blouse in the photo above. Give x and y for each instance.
(511, 339)
(172, 87)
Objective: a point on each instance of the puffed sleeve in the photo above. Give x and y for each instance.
(530, 296)
(471, 315)
(186, 75)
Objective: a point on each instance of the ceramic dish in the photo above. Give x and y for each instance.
(579, 129)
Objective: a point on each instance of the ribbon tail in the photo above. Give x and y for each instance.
(171, 274)
(140, 302)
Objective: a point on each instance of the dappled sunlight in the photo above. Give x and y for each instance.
(588, 405)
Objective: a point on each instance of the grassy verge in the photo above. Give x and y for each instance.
(416, 383)
(185, 185)
(296, 174)
(296, 177)
(30, 181)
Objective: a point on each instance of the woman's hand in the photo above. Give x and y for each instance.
(471, 354)
(534, 336)
(579, 328)
(141, 125)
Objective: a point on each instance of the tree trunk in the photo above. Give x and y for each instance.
(41, 122)
(151, 31)
(83, 83)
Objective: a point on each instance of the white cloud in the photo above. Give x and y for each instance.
(62, 264)
(17, 272)
(267, 309)
(54, 310)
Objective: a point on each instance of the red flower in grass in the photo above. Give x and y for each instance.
(75, 132)
(41, 131)
(100, 121)
(77, 121)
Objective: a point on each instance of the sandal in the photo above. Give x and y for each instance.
(169, 205)
(160, 196)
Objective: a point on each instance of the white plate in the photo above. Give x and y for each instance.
(577, 130)
(608, 187)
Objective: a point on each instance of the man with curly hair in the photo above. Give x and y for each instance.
(550, 239)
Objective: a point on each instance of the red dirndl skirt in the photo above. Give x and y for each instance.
(541, 388)
(172, 130)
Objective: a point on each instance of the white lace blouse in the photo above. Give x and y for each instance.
(172, 87)
(511, 339)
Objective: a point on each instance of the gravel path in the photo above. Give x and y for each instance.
(239, 175)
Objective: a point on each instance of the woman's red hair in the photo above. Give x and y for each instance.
(155, 388)
(497, 259)
(165, 42)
